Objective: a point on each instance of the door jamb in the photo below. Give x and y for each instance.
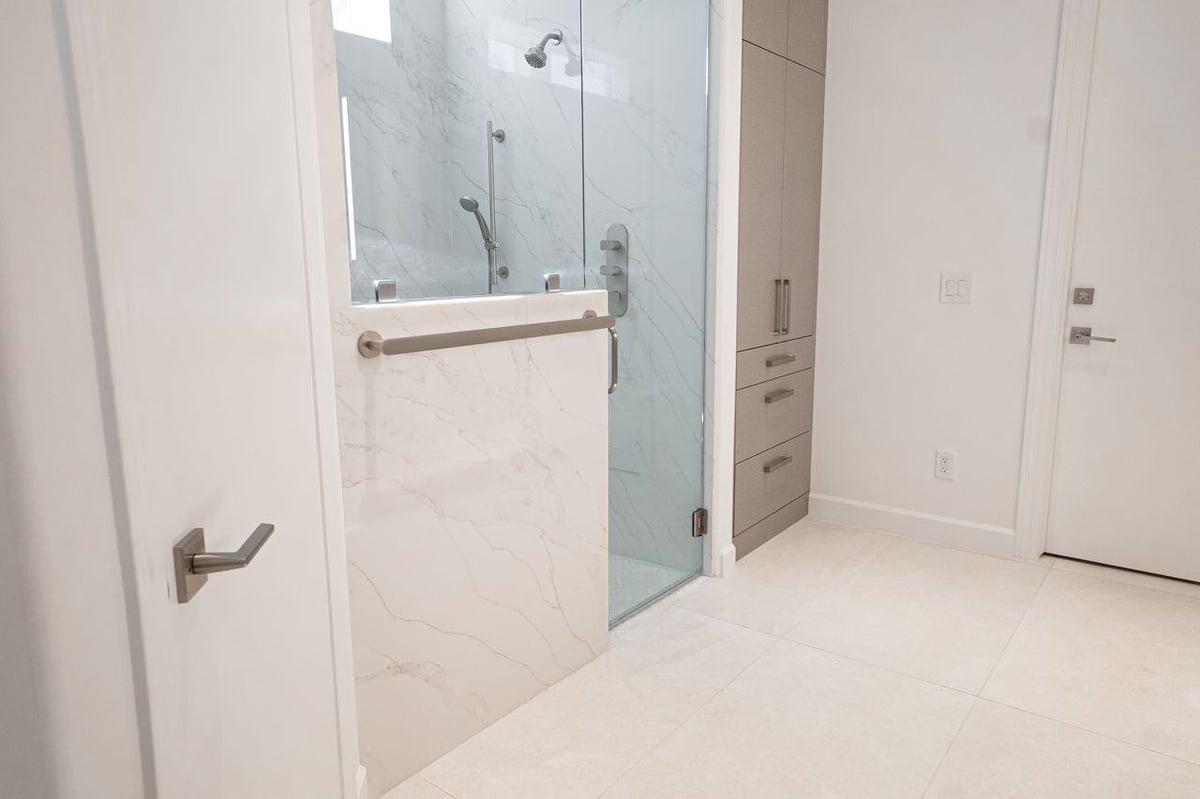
(1064, 172)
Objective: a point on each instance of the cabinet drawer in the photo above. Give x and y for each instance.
(756, 535)
(771, 412)
(757, 492)
(775, 360)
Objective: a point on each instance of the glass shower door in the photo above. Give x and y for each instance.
(462, 126)
(645, 124)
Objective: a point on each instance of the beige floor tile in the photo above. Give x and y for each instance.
(800, 723)
(1117, 659)
(933, 613)
(582, 734)
(772, 585)
(416, 788)
(1181, 587)
(1002, 752)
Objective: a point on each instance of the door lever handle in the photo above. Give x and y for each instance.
(1083, 335)
(193, 564)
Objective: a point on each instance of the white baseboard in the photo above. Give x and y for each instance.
(985, 539)
(361, 780)
(727, 561)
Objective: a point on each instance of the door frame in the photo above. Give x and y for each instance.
(1064, 172)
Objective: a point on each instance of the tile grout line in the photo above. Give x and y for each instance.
(1104, 735)
(977, 697)
(1016, 628)
(651, 750)
(938, 769)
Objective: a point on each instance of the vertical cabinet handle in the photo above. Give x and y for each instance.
(778, 308)
(786, 323)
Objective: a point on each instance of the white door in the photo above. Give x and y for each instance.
(1126, 486)
(196, 122)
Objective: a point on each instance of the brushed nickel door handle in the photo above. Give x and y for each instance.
(776, 464)
(193, 564)
(781, 394)
(1083, 335)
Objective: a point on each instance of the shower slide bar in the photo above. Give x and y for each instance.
(372, 345)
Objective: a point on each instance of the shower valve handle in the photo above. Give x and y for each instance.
(611, 244)
(610, 270)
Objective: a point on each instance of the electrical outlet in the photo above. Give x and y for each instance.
(943, 464)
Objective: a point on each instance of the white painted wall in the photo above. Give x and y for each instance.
(936, 139)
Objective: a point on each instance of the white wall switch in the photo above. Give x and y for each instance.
(943, 464)
(956, 288)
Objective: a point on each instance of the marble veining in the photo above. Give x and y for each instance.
(418, 112)
(475, 491)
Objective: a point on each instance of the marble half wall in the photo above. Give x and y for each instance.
(476, 492)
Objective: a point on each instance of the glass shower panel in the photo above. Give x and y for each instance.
(436, 203)
(645, 124)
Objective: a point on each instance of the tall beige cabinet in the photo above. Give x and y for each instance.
(783, 95)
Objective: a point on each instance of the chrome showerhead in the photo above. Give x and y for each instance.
(536, 56)
(469, 204)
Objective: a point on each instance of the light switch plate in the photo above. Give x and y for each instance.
(956, 288)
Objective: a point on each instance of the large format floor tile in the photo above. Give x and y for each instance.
(1002, 752)
(934, 613)
(416, 788)
(770, 589)
(800, 722)
(1181, 587)
(1117, 659)
(583, 733)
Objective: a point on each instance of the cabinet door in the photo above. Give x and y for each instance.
(806, 26)
(765, 22)
(802, 197)
(760, 220)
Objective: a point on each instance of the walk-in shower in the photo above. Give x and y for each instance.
(492, 150)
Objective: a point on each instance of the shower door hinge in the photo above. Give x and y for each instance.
(699, 522)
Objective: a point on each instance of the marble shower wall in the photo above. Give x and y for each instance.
(475, 489)
(418, 112)
(646, 116)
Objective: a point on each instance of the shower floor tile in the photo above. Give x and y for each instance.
(633, 583)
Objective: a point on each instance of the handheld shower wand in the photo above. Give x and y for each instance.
(471, 205)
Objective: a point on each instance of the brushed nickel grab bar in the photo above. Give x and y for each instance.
(372, 345)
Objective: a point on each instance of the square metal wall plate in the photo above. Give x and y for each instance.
(186, 583)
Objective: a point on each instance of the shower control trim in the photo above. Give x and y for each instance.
(615, 269)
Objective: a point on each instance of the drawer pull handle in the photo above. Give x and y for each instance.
(778, 463)
(780, 360)
(776, 396)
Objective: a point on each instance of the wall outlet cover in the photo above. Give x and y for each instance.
(944, 464)
(956, 288)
